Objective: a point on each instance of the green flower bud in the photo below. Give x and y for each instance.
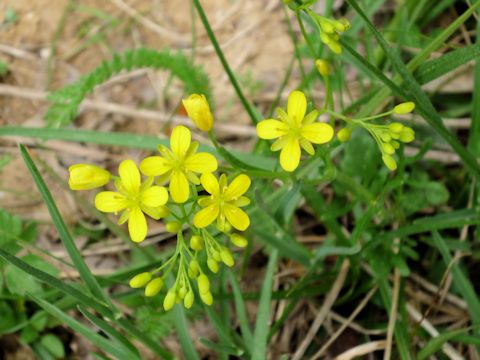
(389, 162)
(344, 134)
(326, 26)
(395, 144)
(224, 226)
(238, 240)
(140, 280)
(388, 148)
(396, 127)
(345, 23)
(207, 298)
(203, 284)
(188, 300)
(196, 243)
(404, 108)
(216, 255)
(227, 257)
(335, 47)
(154, 287)
(407, 135)
(323, 67)
(212, 265)
(182, 292)
(193, 269)
(173, 226)
(326, 39)
(169, 300)
(385, 136)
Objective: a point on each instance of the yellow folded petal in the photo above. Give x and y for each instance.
(157, 212)
(237, 187)
(206, 216)
(110, 201)
(87, 177)
(307, 146)
(237, 217)
(201, 163)
(210, 183)
(296, 106)
(155, 166)
(271, 129)
(179, 188)
(180, 140)
(154, 196)
(137, 225)
(290, 155)
(317, 133)
(129, 176)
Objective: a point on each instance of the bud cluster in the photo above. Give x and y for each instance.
(330, 30)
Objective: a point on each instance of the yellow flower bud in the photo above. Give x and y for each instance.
(388, 148)
(385, 136)
(335, 47)
(207, 298)
(199, 111)
(216, 255)
(182, 292)
(154, 287)
(395, 144)
(238, 240)
(224, 226)
(173, 226)
(140, 280)
(404, 108)
(323, 67)
(212, 265)
(170, 299)
(227, 257)
(193, 269)
(344, 134)
(389, 162)
(345, 23)
(87, 177)
(326, 26)
(196, 243)
(188, 300)
(407, 135)
(396, 127)
(203, 284)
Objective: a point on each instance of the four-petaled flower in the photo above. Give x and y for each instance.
(224, 202)
(294, 130)
(179, 164)
(134, 198)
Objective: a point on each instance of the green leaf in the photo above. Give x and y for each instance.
(262, 325)
(241, 311)
(53, 344)
(188, 348)
(39, 320)
(437, 342)
(67, 240)
(28, 334)
(221, 347)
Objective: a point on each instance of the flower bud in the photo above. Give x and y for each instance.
(224, 226)
(395, 144)
(323, 67)
(196, 243)
(407, 135)
(344, 134)
(326, 26)
(188, 300)
(140, 280)
(227, 257)
(154, 287)
(212, 265)
(170, 299)
(193, 269)
(216, 255)
(173, 226)
(207, 298)
(404, 108)
(182, 292)
(199, 111)
(238, 240)
(396, 127)
(389, 162)
(87, 177)
(203, 284)
(345, 23)
(335, 47)
(388, 148)
(385, 136)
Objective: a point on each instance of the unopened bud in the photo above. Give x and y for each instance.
(404, 108)
(227, 257)
(396, 127)
(344, 134)
(388, 148)
(238, 240)
(323, 67)
(188, 300)
(407, 135)
(203, 284)
(390, 162)
(193, 269)
(173, 226)
(170, 299)
(212, 265)
(154, 287)
(207, 298)
(140, 280)
(196, 243)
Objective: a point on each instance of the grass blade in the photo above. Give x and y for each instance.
(262, 327)
(241, 311)
(67, 240)
(188, 348)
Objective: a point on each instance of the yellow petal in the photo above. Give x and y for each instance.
(130, 176)
(201, 163)
(271, 129)
(290, 155)
(179, 188)
(296, 106)
(279, 143)
(180, 140)
(137, 225)
(154, 196)
(310, 118)
(157, 212)
(206, 216)
(87, 177)
(110, 201)
(237, 217)
(205, 201)
(317, 133)
(123, 217)
(307, 146)
(154, 166)
(237, 187)
(210, 183)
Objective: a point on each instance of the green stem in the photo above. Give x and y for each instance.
(228, 70)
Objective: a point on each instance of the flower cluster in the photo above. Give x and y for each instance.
(330, 30)
(187, 174)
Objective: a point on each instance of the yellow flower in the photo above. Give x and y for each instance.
(87, 177)
(180, 164)
(224, 202)
(294, 130)
(199, 111)
(134, 198)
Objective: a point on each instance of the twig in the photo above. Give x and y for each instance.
(361, 350)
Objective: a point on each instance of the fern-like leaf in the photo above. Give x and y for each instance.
(65, 102)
